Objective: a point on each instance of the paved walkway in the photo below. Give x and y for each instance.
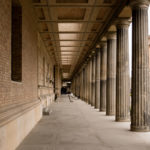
(77, 126)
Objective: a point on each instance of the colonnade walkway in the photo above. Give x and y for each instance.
(78, 126)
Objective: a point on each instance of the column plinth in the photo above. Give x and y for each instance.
(111, 74)
(122, 74)
(140, 119)
(103, 50)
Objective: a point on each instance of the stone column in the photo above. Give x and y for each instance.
(122, 77)
(75, 85)
(72, 86)
(111, 74)
(93, 80)
(86, 83)
(97, 78)
(103, 76)
(90, 81)
(140, 118)
(80, 85)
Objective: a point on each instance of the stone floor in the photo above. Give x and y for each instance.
(77, 126)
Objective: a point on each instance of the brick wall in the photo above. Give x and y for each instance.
(45, 70)
(27, 90)
(5, 85)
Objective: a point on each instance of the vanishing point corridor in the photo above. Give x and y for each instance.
(75, 125)
(75, 75)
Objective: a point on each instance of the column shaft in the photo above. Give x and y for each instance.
(140, 119)
(80, 85)
(123, 79)
(84, 84)
(97, 72)
(103, 76)
(111, 75)
(93, 80)
(88, 82)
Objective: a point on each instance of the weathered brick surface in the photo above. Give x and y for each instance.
(27, 90)
(5, 85)
(45, 70)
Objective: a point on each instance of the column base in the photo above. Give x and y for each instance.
(89, 103)
(140, 128)
(110, 114)
(102, 110)
(122, 120)
(96, 107)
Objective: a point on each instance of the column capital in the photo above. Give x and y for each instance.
(139, 3)
(123, 22)
(98, 49)
(93, 53)
(103, 43)
(85, 64)
(111, 35)
(90, 57)
(97, 46)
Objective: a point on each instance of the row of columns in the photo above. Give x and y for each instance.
(105, 80)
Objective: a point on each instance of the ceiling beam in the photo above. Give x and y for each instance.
(68, 40)
(66, 57)
(64, 32)
(70, 21)
(74, 46)
(69, 51)
(79, 5)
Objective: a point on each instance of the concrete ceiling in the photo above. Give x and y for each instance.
(70, 28)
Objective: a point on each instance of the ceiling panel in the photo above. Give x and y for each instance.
(69, 27)
(71, 13)
(69, 36)
(69, 43)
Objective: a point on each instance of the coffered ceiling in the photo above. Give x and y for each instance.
(71, 28)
